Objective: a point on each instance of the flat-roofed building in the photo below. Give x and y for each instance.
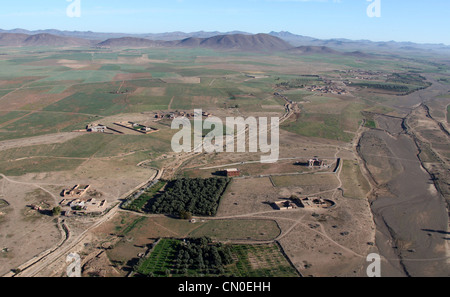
(232, 172)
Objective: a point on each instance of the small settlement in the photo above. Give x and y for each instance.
(76, 202)
(179, 114)
(137, 127)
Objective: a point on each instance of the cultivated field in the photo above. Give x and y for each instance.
(375, 114)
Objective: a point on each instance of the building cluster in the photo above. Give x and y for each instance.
(328, 89)
(96, 128)
(89, 205)
(305, 203)
(119, 92)
(316, 162)
(286, 205)
(137, 127)
(180, 114)
(315, 202)
(77, 191)
(364, 74)
(313, 163)
(73, 200)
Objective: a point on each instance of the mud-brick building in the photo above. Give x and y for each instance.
(233, 172)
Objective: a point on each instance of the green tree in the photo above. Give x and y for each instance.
(56, 211)
(185, 215)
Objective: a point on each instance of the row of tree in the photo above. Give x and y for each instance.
(381, 86)
(408, 78)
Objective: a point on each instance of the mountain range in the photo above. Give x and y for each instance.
(235, 40)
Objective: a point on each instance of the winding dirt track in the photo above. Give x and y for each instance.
(34, 266)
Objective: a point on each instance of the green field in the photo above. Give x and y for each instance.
(224, 230)
(83, 146)
(248, 261)
(320, 125)
(99, 103)
(86, 76)
(40, 123)
(47, 91)
(61, 90)
(139, 203)
(37, 164)
(6, 116)
(322, 181)
(340, 123)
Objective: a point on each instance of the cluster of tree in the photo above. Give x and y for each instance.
(202, 256)
(381, 86)
(197, 196)
(408, 78)
(291, 85)
(300, 83)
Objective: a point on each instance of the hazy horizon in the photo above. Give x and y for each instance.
(402, 21)
(211, 31)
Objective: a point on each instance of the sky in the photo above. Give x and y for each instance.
(420, 21)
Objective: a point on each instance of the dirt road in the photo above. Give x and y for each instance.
(38, 140)
(34, 266)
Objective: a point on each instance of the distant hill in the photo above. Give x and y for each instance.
(44, 39)
(324, 50)
(12, 39)
(295, 40)
(132, 42)
(168, 36)
(358, 54)
(242, 42)
(258, 42)
(53, 40)
(309, 50)
(175, 36)
(236, 40)
(355, 46)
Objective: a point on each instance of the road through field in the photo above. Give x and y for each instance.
(38, 140)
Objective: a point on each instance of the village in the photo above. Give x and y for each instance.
(136, 127)
(179, 114)
(139, 127)
(364, 74)
(328, 89)
(76, 202)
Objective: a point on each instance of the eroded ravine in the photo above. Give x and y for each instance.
(407, 208)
